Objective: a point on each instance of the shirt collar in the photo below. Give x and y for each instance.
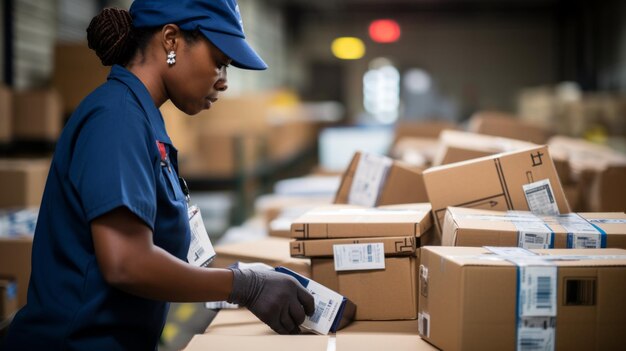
(140, 91)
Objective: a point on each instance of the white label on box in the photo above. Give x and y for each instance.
(540, 198)
(584, 241)
(535, 240)
(533, 234)
(423, 324)
(201, 250)
(354, 257)
(368, 179)
(537, 291)
(536, 334)
(607, 220)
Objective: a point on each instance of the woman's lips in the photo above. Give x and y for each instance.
(208, 102)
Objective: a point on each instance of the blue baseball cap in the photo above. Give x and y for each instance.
(218, 20)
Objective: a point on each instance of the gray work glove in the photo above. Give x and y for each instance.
(277, 299)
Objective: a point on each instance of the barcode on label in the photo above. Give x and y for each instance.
(532, 344)
(538, 291)
(533, 239)
(543, 296)
(319, 309)
(586, 241)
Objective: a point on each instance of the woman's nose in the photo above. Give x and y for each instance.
(221, 84)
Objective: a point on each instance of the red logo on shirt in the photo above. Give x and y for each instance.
(162, 151)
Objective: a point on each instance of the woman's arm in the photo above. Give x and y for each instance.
(130, 261)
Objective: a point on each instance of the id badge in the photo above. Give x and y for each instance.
(201, 251)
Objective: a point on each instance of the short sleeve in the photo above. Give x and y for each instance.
(113, 162)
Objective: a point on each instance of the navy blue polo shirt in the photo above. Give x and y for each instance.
(108, 156)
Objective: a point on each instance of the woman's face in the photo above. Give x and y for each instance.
(198, 76)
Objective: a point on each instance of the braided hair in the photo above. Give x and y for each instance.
(115, 40)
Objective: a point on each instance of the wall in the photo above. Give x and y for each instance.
(489, 56)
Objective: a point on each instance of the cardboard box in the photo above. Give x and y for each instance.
(6, 115)
(15, 260)
(271, 251)
(382, 341)
(472, 227)
(258, 342)
(349, 221)
(281, 225)
(393, 246)
(468, 299)
(360, 335)
(38, 115)
(8, 298)
(271, 206)
(506, 125)
(400, 184)
(22, 181)
(417, 152)
(386, 294)
(607, 191)
(599, 171)
(456, 146)
(77, 72)
(497, 182)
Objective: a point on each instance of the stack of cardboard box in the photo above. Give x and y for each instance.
(513, 203)
(367, 254)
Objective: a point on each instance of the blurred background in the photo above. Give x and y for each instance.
(382, 76)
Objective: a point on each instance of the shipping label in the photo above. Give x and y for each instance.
(354, 257)
(540, 198)
(368, 180)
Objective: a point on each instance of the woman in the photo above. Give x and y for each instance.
(113, 229)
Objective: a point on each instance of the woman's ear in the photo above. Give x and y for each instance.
(171, 36)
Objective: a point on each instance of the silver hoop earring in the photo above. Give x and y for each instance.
(171, 58)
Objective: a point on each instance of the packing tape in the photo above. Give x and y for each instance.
(536, 298)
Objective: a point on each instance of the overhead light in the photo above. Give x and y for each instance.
(384, 31)
(348, 48)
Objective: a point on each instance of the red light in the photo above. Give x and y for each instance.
(384, 31)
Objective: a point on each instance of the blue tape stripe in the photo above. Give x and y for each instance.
(602, 235)
(551, 235)
(518, 319)
(570, 240)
